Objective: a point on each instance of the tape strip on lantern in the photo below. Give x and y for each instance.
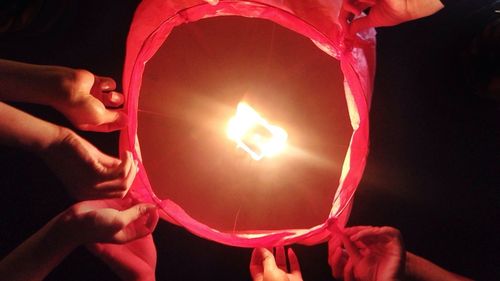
(317, 20)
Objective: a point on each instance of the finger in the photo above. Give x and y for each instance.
(365, 233)
(348, 271)
(256, 267)
(390, 231)
(349, 231)
(360, 24)
(152, 220)
(120, 184)
(268, 261)
(337, 262)
(145, 224)
(104, 83)
(130, 177)
(135, 212)
(140, 221)
(89, 205)
(334, 243)
(103, 162)
(112, 99)
(346, 241)
(281, 258)
(379, 233)
(111, 120)
(108, 162)
(294, 264)
(351, 249)
(122, 170)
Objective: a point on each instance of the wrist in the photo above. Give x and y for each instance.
(60, 81)
(49, 85)
(66, 230)
(53, 138)
(70, 226)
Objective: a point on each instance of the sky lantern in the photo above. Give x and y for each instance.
(249, 118)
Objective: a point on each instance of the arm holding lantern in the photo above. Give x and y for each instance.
(133, 261)
(82, 97)
(85, 222)
(78, 94)
(86, 172)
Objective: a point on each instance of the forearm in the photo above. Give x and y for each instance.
(20, 129)
(37, 256)
(41, 84)
(420, 269)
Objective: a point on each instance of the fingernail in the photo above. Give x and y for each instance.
(116, 98)
(136, 165)
(143, 210)
(103, 83)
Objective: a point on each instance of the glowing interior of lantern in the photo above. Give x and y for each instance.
(254, 134)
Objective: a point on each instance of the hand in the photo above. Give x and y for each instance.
(103, 221)
(263, 266)
(384, 12)
(84, 99)
(135, 260)
(373, 254)
(86, 222)
(86, 172)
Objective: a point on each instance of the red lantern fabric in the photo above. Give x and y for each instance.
(317, 20)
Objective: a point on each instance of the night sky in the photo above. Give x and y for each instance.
(432, 172)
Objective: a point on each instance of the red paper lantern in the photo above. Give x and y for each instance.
(183, 84)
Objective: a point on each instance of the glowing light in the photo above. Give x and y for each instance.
(254, 134)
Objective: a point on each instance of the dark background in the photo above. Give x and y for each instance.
(432, 172)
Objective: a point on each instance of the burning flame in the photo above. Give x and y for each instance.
(254, 134)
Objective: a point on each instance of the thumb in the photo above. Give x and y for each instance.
(112, 120)
(264, 257)
(256, 269)
(135, 212)
(140, 220)
(268, 261)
